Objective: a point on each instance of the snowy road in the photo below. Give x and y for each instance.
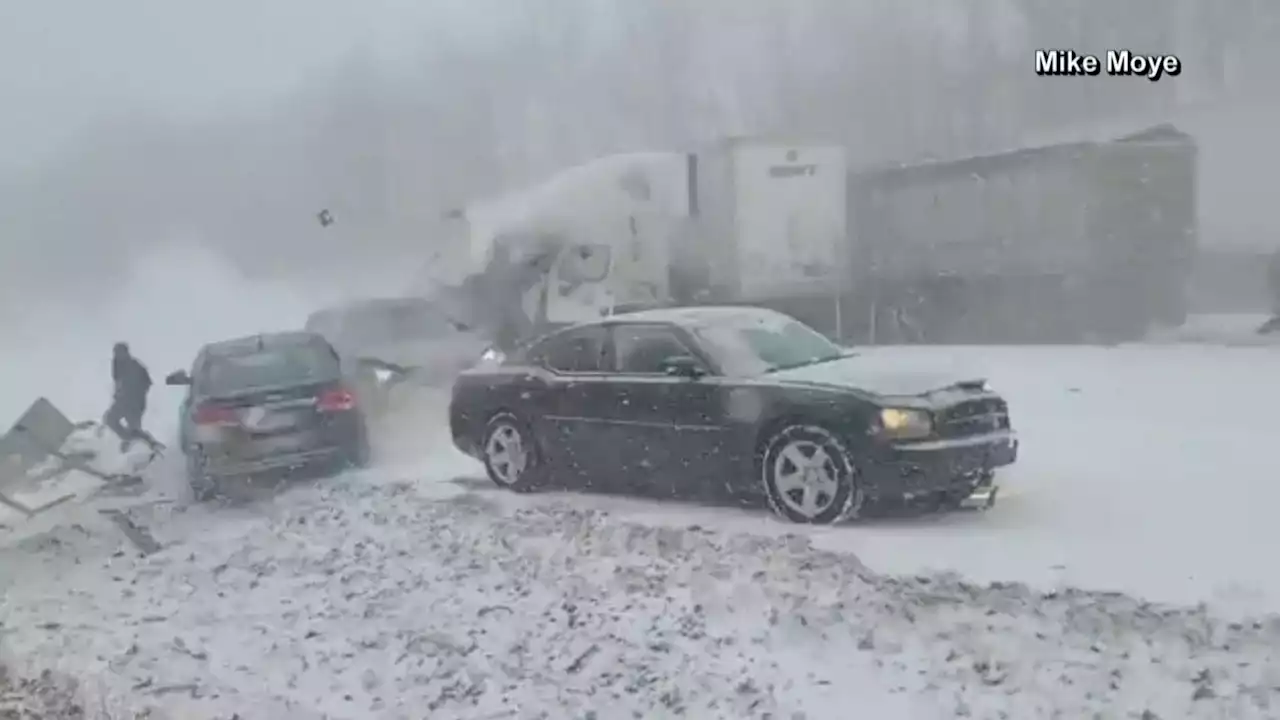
(398, 593)
(1144, 469)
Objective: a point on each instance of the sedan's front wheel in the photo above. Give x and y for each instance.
(510, 454)
(809, 475)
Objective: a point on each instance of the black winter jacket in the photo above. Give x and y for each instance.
(131, 378)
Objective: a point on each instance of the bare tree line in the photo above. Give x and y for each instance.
(387, 151)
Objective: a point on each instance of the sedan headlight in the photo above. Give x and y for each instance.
(905, 423)
(383, 375)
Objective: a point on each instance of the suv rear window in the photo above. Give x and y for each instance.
(272, 367)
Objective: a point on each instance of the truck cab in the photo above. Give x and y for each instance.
(590, 241)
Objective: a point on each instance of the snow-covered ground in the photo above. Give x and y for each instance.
(416, 590)
(375, 595)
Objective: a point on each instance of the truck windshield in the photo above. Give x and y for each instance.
(767, 344)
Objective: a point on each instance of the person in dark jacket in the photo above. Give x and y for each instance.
(129, 403)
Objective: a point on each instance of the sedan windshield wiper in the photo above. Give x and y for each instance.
(812, 361)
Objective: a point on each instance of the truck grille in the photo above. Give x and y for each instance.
(973, 417)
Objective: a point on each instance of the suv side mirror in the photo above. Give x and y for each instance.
(684, 366)
(177, 377)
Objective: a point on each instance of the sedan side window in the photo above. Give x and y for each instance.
(643, 349)
(575, 351)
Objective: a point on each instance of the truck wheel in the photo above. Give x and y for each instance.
(511, 455)
(809, 474)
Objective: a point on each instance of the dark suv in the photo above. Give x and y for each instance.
(266, 406)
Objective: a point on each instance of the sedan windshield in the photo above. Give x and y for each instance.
(756, 345)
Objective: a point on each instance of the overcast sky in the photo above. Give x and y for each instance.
(66, 63)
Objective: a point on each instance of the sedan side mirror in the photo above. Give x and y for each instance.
(177, 377)
(684, 366)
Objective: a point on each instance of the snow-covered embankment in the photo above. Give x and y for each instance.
(367, 599)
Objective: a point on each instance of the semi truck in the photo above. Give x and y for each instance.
(1063, 243)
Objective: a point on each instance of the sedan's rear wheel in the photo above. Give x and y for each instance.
(510, 454)
(809, 475)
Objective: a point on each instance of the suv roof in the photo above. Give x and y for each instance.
(265, 341)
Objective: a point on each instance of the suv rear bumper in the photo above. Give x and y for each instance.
(273, 463)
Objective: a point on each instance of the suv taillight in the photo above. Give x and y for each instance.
(336, 400)
(209, 414)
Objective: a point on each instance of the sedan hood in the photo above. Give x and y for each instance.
(881, 375)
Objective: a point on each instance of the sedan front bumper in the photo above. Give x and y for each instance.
(958, 466)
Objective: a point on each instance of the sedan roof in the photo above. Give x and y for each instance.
(700, 316)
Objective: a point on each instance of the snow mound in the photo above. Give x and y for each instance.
(355, 599)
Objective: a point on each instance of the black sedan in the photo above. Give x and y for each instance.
(744, 402)
(263, 407)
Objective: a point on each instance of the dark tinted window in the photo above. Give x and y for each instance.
(273, 367)
(580, 350)
(644, 348)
